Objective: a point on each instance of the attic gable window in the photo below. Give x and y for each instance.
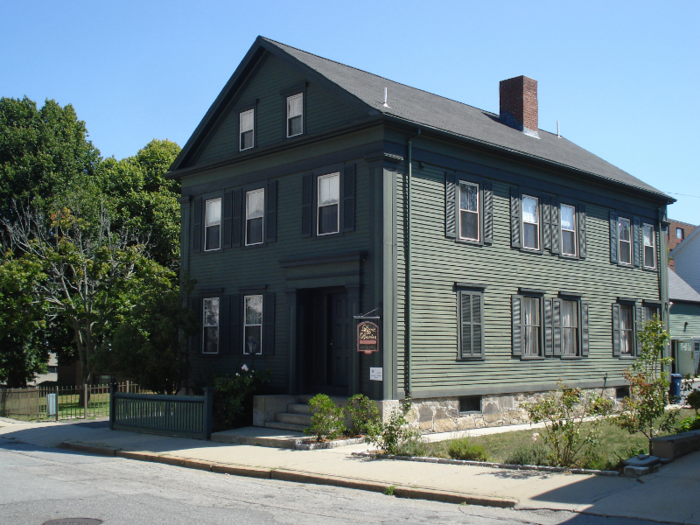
(212, 225)
(295, 115)
(247, 129)
(328, 204)
(649, 247)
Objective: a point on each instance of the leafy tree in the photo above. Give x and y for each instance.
(43, 152)
(645, 409)
(23, 354)
(93, 276)
(149, 347)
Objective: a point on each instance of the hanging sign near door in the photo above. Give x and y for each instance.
(367, 337)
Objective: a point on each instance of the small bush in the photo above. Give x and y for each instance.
(414, 447)
(689, 424)
(463, 449)
(363, 414)
(693, 400)
(326, 419)
(233, 398)
(396, 436)
(535, 454)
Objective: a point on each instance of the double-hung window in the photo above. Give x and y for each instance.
(212, 226)
(569, 328)
(624, 230)
(469, 211)
(568, 230)
(210, 325)
(254, 213)
(650, 312)
(649, 246)
(328, 212)
(626, 330)
(531, 322)
(247, 129)
(252, 324)
(295, 115)
(531, 223)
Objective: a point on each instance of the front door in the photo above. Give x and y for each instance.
(338, 342)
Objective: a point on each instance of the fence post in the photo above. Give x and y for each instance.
(208, 408)
(111, 406)
(57, 391)
(128, 391)
(85, 399)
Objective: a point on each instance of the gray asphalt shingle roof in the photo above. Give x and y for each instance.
(679, 290)
(427, 109)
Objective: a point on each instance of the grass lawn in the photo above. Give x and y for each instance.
(614, 442)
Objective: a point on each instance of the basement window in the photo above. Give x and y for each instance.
(470, 404)
(622, 392)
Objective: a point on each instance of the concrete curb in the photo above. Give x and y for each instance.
(297, 477)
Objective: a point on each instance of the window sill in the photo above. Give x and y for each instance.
(572, 357)
(532, 358)
(531, 250)
(628, 357)
(470, 242)
(472, 359)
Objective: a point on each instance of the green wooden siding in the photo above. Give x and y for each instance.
(682, 313)
(439, 262)
(323, 111)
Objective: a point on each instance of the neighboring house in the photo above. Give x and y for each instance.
(686, 259)
(676, 232)
(684, 325)
(51, 371)
(498, 257)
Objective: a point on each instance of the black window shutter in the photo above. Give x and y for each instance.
(547, 222)
(196, 304)
(637, 242)
(268, 324)
(478, 325)
(450, 206)
(471, 325)
(616, 328)
(235, 322)
(517, 304)
(581, 231)
(197, 225)
(307, 206)
(349, 198)
(556, 326)
(271, 212)
(613, 244)
(224, 324)
(638, 326)
(488, 213)
(556, 227)
(236, 218)
(515, 237)
(227, 218)
(585, 331)
(548, 328)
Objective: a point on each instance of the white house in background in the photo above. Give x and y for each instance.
(686, 258)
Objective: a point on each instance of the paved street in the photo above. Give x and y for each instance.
(38, 484)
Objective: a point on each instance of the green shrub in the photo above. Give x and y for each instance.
(693, 400)
(414, 447)
(233, 398)
(363, 414)
(689, 424)
(463, 449)
(326, 419)
(535, 454)
(396, 436)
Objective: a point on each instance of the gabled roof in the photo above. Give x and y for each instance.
(679, 290)
(427, 110)
(690, 239)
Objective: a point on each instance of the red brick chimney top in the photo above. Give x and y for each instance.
(519, 104)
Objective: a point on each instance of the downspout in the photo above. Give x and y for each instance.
(409, 334)
(663, 272)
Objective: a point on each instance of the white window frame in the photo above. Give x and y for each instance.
(574, 231)
(241, 131)
(646, 225)
(681, 232)
(576, 328)
(537, 224)
(620, 241)
(207, 203)
(205, 325)
(319, 206)
(289, 117)
(245, 324)
(627, 333)
(248, 218)
(478, 215)
(538, 326)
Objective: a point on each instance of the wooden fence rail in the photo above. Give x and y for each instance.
(181, 416)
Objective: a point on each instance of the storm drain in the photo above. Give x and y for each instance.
(74, 521)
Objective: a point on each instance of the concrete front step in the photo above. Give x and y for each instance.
(265, 437)
(298, 408)
(285, 426)
(295, 419)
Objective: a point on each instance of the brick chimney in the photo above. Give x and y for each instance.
(519, 104)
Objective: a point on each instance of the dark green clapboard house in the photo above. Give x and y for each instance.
(498, 257)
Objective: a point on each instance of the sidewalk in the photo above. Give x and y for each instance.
(669, 495)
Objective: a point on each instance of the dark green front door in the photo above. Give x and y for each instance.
(338, 342)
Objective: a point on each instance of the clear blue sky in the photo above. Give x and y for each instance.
(622, 77)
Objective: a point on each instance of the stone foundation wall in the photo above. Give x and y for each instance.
(442, 414)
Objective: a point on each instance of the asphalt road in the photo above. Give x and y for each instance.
(40, 484)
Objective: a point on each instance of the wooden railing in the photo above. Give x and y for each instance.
(179, 416)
